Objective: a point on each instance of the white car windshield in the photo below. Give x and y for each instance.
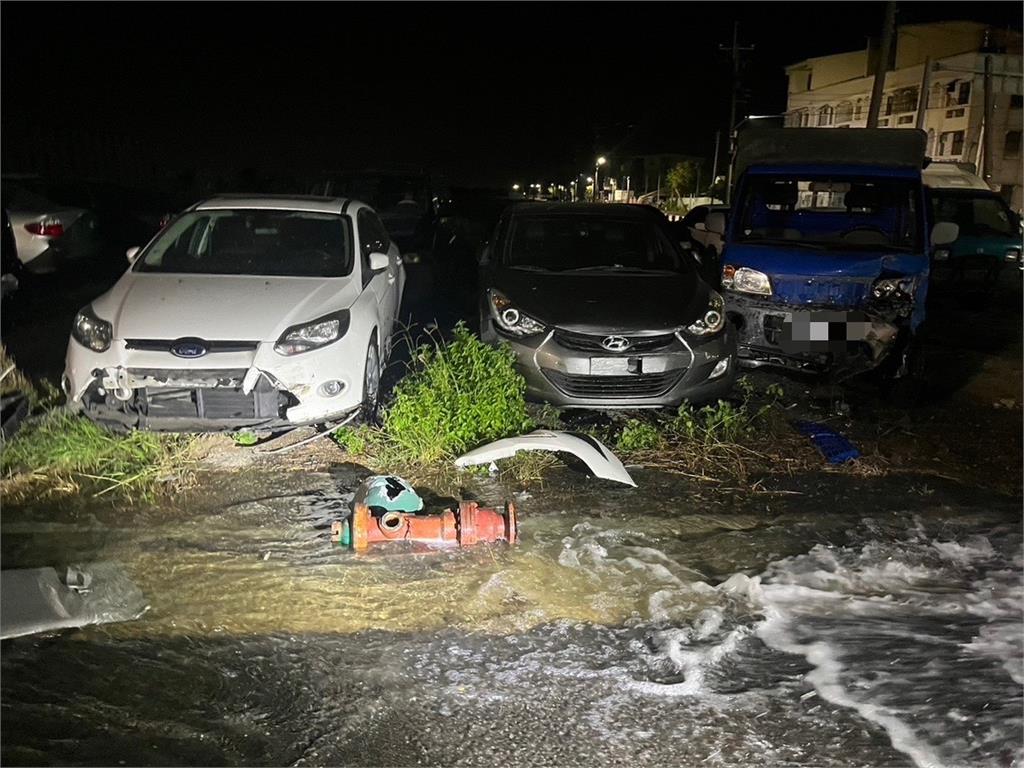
(253, 242)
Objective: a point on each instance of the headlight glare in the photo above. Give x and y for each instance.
(90, 331)
(510, 319)
(713, 319)
(313, 335)
(1012, 254)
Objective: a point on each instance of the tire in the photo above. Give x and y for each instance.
(371, 384)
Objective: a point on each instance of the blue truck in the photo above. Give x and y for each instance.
(827, 250)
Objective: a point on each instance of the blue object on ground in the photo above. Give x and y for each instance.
(833, 446)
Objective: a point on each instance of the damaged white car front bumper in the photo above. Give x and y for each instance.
(234, 384)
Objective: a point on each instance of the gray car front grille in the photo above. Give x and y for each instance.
(584, 342)
(614, 387)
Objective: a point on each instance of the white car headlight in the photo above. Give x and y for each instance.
(509, 318)
(314, 334)
(746, 280)
(713, 319)
(89, 331)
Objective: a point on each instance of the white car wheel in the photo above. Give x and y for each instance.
(371, 381)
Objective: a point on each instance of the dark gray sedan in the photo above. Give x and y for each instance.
(603, 309)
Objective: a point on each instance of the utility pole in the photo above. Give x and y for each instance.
(882, 65)
(986, 136)
(714, 163)
(734, 52)
(922, 98)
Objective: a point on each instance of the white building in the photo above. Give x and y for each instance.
(835, 91)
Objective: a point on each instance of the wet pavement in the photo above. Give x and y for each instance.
(663, 625)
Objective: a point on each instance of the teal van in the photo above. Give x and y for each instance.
(990, 236)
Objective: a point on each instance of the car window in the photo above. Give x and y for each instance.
(586, 242)
(976, 215)
(252, 242)
(372, 234)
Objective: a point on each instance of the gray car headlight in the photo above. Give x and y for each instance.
(314, 334)
(509, 318)
(713, 319)
(90, 331)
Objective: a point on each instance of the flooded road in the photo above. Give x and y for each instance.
(667, 625)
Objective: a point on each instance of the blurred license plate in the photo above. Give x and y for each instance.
(609, 366)
(827, 326)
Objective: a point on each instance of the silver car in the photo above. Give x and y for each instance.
(603, 309)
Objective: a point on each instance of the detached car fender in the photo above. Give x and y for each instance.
(602, 462)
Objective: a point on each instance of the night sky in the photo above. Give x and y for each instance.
(485, 93)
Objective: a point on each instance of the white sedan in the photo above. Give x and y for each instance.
(242, 312)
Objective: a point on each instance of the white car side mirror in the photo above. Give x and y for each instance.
(131, 253)
(715, 222)
(945, 232)
(379, 261)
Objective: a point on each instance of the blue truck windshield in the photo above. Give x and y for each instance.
(830, 212)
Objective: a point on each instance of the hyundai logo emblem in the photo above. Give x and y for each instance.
(188, 348)
(616, 343)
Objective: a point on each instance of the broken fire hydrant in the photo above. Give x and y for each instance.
(468, 525)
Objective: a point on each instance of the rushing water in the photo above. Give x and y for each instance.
(863, 624)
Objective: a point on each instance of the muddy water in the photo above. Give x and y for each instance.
(832, 622)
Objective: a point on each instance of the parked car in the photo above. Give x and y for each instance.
(404, 202)
(12, 268)
(243, 311)
(48, 235)
(990, 232)
(603, 308)
(825, 265)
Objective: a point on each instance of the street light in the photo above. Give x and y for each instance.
(597, 169)
(515, 187)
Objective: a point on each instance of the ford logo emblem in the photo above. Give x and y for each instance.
(188, 348)
(616, 343)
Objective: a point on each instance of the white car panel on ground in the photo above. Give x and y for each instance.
(191, 350)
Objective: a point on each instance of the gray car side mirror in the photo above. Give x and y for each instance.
(132, 253)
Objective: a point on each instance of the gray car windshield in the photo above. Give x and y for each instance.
(567, 243)
(252, 242)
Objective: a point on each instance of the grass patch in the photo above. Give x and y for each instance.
(458, 394)
(64, 451)
(729, 439)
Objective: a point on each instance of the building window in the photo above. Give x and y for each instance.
(844, 112)
(904, 100)
(857, 109)
(883, 123)
(1016, 101)
(888, 105)
(958, 93)
(955, 112)
(825, 115)
(931, 149)
(951, 143)
(1012, 146)
(905, 119)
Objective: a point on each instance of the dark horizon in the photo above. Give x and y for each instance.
(533, 94)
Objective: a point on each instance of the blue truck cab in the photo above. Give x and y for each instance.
(826, 249)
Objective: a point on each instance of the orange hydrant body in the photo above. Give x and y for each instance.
(464, 527)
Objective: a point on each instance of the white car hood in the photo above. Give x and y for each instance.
(219, 307)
